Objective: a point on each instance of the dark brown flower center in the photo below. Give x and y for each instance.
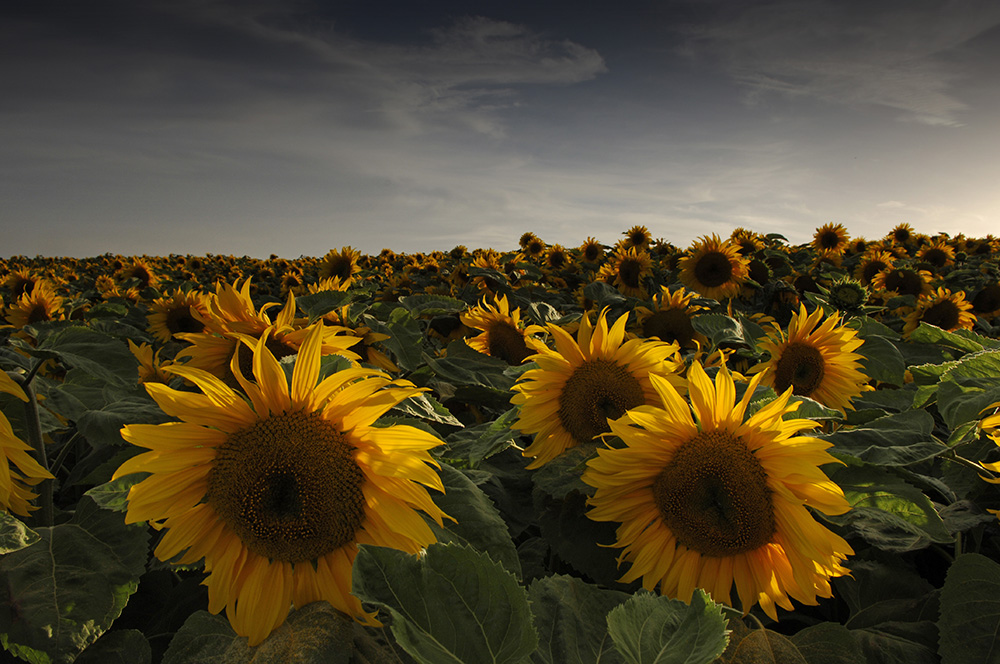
(829, 240)
(987, 300)
(670, 325)
(936, 257)
(629, 271)
(597, 391)
(179, 319)
(507, 343)
(713, 269)
(289, 487)
(904, 282)
(944, 314)
(713, 495)
(870, 269)
(799, 367)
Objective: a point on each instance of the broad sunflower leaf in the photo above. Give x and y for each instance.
(571, 619)
(477, 443)
(103, 427)
(71, 585)
(648, 629)
(970, 611)
(721, 330)
(984, 364)
(477, 521)
(425, 306)
(828, 643)
(427, 407)
(406, 338)
(96, 353)
(759, 646)
(899, 439)
(126, 646)
(583, 543)
(315, 634)
(970, 342)
(886, 511)
(962, 400)
(453, 604)
(14, 535)
(113, 495)
(319, 304)
(882, 361)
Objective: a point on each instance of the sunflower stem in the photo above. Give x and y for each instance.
(953, 456)
(33, 427)
(63, 452)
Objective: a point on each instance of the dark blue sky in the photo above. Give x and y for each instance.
(292, 128)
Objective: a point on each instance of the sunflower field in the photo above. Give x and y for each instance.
(739, 451)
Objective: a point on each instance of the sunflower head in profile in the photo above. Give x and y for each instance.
(626, 269)
(947, 310)
(275, 489)
(19, 471)
(502, 334)
(577, 387)
(816, 359)
(40, 304)
(708, 500)
(342, 264)
(182, 311)
(714, 268)
(670, 321)
(831, 238)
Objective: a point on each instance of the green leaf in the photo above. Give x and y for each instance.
(721, 330)
(887, 511)
(583, 543)
(970, 611)
(406, 338)
(103, 427)
(898, 400)
(882, 360)
(571, 619)
(648, 629)
(963, 399)
(96, 353)
(759, 646)
(970, 342)
(71, 585)
(453, 604)
(319, 304)
(428, 306)
(602, 294)
(477, 521)
(114, 495)
(561, 476)
(899, 439)
(828, 643)
(315, 634)
(126, 646)
(477, 443)
(425, 406)
(14, 535)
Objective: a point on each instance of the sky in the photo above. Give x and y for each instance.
(295, 127)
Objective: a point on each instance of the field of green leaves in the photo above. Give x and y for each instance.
(739, 451)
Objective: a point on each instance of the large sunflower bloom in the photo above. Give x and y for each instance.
(714, 268)
(706, 500)
(626, 269)
(502, 334)
(18, 469)
(42, 303)
(180, 312)
(831, 239)
(671, 320)
(577, 387)
(816, 359)
(277, 493)
(947, 310)
(342, 264)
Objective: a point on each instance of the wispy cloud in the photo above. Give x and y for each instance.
(891, 54)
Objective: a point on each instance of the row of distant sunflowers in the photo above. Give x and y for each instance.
(289, 411)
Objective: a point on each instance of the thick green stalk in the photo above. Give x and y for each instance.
(46, 511)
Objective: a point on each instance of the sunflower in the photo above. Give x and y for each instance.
(706, 499)
(40, 304)
(327, 284)
(18, 469)
(748, 241)
(577, 387)
(714, 268)
(535, 248)
(625, 270)
(277, 493)
(902, 281)
(872, 262)
(591, 251)
(947, 310)
(816, 359)
(901, 234)
(140, 270)
(20, 281)
(180, 312)
(526, 239)
(831, 239)
(556, 258)
(502, 333)
(637, 236)
(986, 301)
(671, 321)
(938, 254)
(151, 367)
(342, 264)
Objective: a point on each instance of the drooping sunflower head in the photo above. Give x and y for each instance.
(626, 269)
(816, 359)
(342, 264)
(708, 500)
(671, 319)
(19, 471)
(577, 387)
(947, 310)
(275, 489)
(182, 311)
(714, 268)
(831, 238)
(502, 333)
